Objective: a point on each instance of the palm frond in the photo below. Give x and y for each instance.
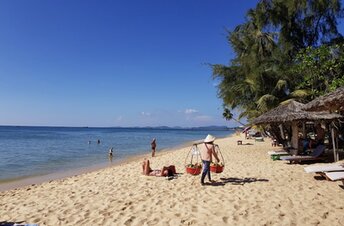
(281, 84)
(264, 102)
(300, 93)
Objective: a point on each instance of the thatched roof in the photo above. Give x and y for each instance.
(330, 101)
(292, 111)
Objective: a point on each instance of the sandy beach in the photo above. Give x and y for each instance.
(252, 190)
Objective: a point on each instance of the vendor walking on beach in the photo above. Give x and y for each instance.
(153, 144)
(207, 151)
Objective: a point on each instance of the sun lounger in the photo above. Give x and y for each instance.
(278, 152)
(333, 176)
(299, 159)
(275, 155)
(259, 139)
(315, 156)
(324, 168)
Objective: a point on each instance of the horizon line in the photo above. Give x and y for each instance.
(125, 127)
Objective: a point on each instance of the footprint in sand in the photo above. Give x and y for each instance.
(129, 221)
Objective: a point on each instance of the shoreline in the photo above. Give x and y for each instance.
(39, 179)
(29, 157)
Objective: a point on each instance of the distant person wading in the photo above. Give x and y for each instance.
(153, 145)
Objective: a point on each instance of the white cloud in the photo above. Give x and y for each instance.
(190, 111)
(146, 114)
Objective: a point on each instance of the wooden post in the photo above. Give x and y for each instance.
(304, 130)
(282, 132)
(334, 145)
(294, 136)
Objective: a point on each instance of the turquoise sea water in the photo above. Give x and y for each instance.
(32, 151)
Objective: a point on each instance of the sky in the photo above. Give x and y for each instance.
(114, 63)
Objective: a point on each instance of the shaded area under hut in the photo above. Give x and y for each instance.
(331, 102)
(290, 124)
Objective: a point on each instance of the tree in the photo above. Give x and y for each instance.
(227, 114)
(259, 76)
(319, 69)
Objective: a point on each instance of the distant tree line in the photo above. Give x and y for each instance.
(286, 49)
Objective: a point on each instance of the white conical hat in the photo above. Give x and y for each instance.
(209, 139)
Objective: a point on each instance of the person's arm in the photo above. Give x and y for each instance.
(164, 172)
(214, 153)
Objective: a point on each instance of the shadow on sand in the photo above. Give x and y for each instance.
(319, 177)
(8, 223)
(247, 144)
(236, 181)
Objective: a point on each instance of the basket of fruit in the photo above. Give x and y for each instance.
(194, 169)
(216, 167)
(193, 164)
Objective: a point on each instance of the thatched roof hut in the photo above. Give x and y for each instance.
(331, 101)
(292, 111)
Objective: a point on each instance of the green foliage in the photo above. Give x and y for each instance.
(320, 69)
(227, 114)
(265, 101)
(300, 94)
(268, 67)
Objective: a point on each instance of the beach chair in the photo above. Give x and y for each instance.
(277, 152)
(275, 155)
(324, 168)
(315, 156)
(333, 176)
(259, 139)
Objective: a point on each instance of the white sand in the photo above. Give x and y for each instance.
(252, 190)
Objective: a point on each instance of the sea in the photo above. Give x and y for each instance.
(27, 151)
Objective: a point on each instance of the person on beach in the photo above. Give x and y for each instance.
(273, 142)
(320, 138)
(111, 152)
(166, 171)
(153, 145)
(207, 151)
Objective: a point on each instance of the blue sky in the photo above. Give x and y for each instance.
(114, 63)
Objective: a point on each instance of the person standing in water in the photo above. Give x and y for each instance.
(153, 145)
(111, 151)
(110, 154)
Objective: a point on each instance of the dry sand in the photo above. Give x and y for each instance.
(252, 190)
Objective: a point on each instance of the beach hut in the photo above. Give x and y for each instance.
(329, 102)
(292, 112)
(333, 101)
